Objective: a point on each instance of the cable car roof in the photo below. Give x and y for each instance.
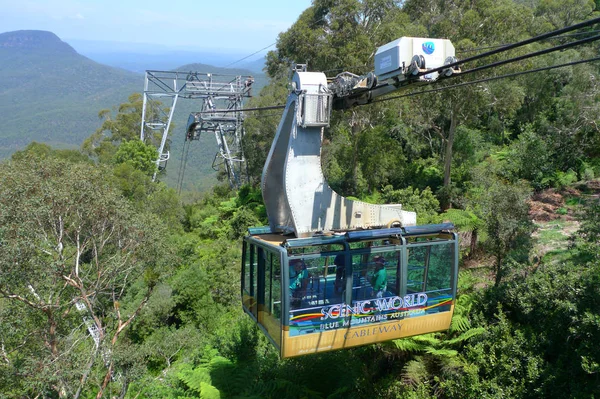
(265, 234)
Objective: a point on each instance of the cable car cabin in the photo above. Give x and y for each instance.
(331, 292)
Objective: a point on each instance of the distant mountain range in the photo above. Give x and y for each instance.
(138, 57)
(52, 94)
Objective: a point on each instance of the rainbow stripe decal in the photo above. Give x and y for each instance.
(311, 320)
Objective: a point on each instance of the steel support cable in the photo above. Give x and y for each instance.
(486, 54)
(505, 44)
(264, 48)
(248, 56)
(510, 75)
(187, 156)
(530, 55)
(514, 45)
(442, 88)
(183, 165)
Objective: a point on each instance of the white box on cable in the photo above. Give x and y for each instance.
(392, 58)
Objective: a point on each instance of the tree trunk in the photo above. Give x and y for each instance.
(498, 270)
(86, 373)
(448, 152)
(355, 164)
(473, 244)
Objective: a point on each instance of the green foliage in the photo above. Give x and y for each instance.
(504, 210)
(422, 202)
(36, 150)
(68, 237)
(227, 218)
(589, 231)
(464, 220)
(104, 143)
(52, 94)
(198, 380)
(479, 149)
(562, 211)
(139, 155)
(560, 179)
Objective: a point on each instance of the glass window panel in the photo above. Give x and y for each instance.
(299, 279)
(247, 263)
(276, 287)
(375, 279)
(253, 270)
(317, 308)
(430, 273)
(439, 275)
(417, 260)
(268, 282)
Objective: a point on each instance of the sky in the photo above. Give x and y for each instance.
(222, 25)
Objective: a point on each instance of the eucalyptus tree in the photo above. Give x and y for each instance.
(77, 265)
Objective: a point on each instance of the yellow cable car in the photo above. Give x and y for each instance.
(332, 292)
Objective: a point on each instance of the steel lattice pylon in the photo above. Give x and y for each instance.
(220, 112)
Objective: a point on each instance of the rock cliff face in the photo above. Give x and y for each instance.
(37, 40)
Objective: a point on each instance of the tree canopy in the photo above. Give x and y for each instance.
(111, 286)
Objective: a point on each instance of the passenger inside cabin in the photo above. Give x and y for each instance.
(340, 273)
(379, 279)
(298, 282)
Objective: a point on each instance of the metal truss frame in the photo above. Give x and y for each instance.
(220, 113)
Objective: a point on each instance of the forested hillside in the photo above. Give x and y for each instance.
(111, 286)
(50, 93)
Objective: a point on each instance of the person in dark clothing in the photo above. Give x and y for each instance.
(298, 281)
(340, 273)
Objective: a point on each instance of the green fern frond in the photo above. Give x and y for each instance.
(460, 323)
(209, 392)
(194, 378)
(451, 366)
(409, 345)
(219, 361)
(430, 339)
(415, 372)
(464, 303)
(465, 336)
(464, 220)
(441, 352)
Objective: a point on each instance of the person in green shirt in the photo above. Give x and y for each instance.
(379, 279)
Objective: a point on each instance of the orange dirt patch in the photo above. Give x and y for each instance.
(543, 205)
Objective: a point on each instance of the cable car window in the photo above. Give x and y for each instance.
(253, 271)
(440, 267)
(430, 272)
(361, 286)
(319, 282)
(438, 284)
(248, 270)
(298, 278)
(273, 285)
(317, 306)
(250, 276)
(375, 287)
(418, 260)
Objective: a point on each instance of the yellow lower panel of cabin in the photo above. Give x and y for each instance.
(362, 335)
(272, 325)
